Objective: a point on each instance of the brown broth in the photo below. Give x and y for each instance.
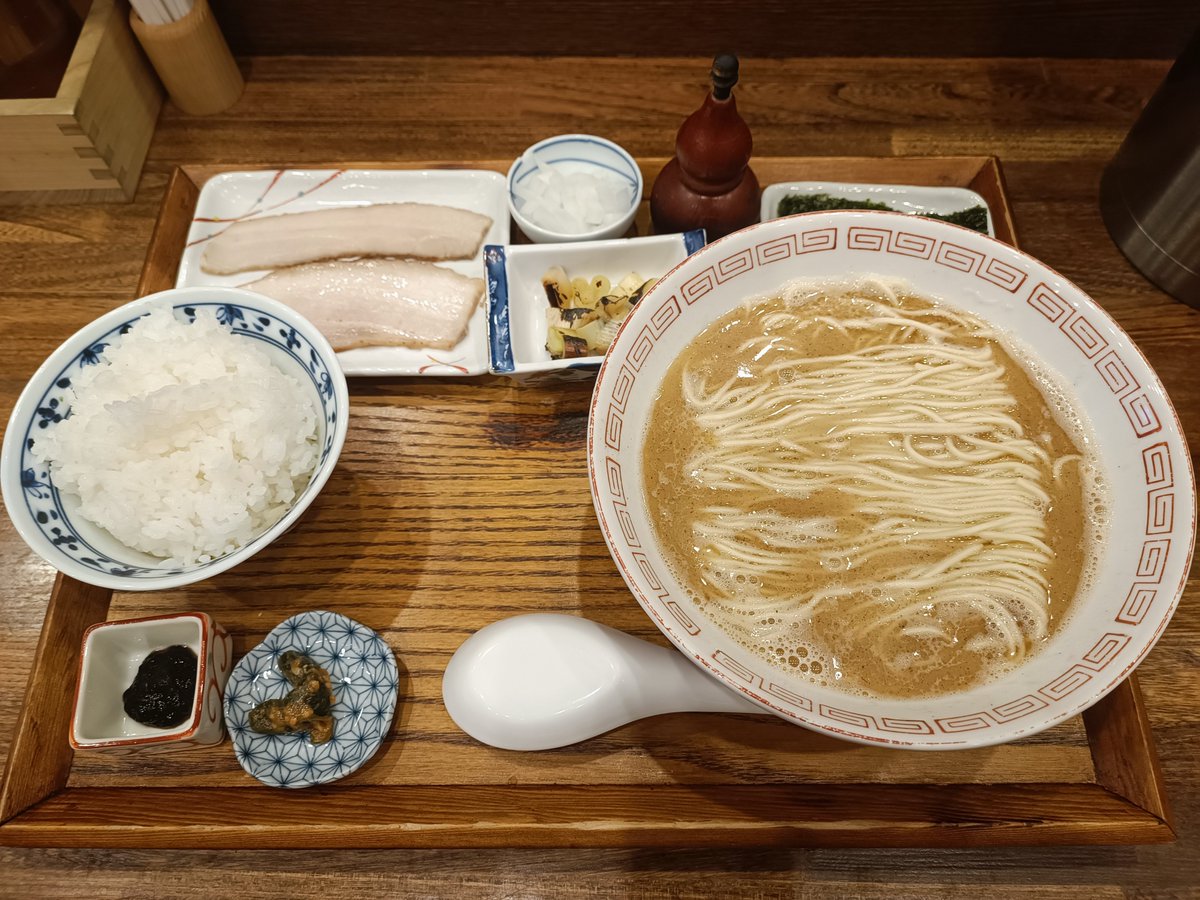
(825, 646)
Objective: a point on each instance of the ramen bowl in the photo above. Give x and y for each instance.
(1140, 566)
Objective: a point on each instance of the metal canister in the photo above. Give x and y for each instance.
(1150, 192)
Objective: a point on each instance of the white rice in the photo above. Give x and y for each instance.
(184, 441)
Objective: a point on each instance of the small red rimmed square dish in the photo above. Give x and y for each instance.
(113, 653)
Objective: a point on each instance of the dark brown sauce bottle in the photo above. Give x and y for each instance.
(709, 184)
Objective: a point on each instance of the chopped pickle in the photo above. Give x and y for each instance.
(573, 347)
(584, 314)
(308, 706)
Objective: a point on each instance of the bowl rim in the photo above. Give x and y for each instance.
(38, 382)
(546, 235)
(969, 740)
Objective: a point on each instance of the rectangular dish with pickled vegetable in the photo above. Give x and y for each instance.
(553, 309)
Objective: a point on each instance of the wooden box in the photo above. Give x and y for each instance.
(89, 141)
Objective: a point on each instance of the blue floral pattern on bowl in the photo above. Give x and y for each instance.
(365, 682)
(41, 496)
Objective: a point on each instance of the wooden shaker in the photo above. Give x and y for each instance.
(709, 183)
(193, 60)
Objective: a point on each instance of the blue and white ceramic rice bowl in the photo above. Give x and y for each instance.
(365, 683)
(49, 521)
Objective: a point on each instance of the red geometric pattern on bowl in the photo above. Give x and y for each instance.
(1048, 303)
(968, 722)
(847, 717)
(1118, 378)
(789, 696)
(1083, 335)
(946, 253)
(1080, 335)
(904, 726)
(685, 621)
(1137, 604)
(1142, 415)
(1015, 709)
(953, 256)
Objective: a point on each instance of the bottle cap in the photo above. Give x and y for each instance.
(724, 75)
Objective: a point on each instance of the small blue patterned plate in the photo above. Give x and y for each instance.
(365, 683)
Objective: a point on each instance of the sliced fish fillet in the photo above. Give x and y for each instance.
(378, 302)
(416, 230)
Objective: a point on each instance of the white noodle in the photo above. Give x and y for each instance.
(912, 429)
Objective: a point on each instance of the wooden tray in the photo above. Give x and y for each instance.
(461, 501)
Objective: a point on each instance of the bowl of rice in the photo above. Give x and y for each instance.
(173, 438)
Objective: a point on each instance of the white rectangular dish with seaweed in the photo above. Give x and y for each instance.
(907, 198)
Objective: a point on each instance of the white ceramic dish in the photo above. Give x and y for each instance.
(1142, 566)
(111, 655)
(517, 301)
(906, 198)
(575, 153)
(49, 522)
(362, 671)
(233, 196)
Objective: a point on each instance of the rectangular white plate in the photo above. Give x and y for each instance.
(233, 196)
(517, 301)
(909, 198)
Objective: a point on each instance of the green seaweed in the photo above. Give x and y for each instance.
(803, 203)
(975, 218)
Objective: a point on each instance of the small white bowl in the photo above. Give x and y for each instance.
(517, 301)
(49, 522)
(113, 652)
(576, 153)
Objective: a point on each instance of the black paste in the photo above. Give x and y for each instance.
(164, 688)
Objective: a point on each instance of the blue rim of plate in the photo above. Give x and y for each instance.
(366, 682)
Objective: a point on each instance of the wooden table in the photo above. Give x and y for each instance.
(1053, 123)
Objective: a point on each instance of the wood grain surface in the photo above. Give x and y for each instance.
(1079, 28)
(1054, 124)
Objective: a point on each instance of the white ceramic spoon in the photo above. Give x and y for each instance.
(540, 681)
